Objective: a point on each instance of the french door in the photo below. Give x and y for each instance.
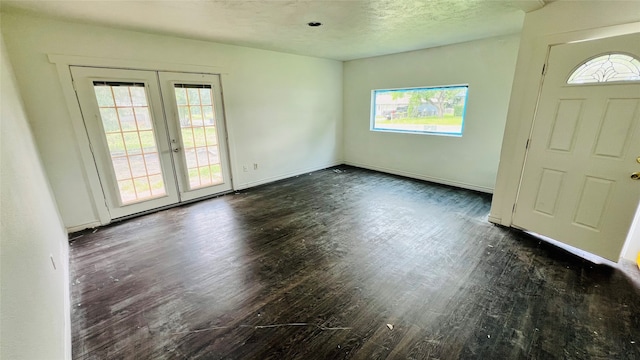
(158, 138)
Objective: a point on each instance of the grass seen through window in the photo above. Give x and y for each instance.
(430, 110)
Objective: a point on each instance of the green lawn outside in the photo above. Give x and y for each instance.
(430, 120)
(199, 137)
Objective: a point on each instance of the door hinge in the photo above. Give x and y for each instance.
(544, 69)
(73, 83)
(513, 209)
(527, 145)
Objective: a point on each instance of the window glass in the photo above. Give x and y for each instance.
(128, 128)
(607, 68)
(428, 110)
(198, 130)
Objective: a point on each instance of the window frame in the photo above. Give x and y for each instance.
(372, 113)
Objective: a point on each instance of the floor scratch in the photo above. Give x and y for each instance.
(261, 327)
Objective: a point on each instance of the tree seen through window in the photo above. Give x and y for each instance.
(436, 110)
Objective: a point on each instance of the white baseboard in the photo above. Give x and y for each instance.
(328, 165)
(422, 177)
(67, 301)
(247, 185)
(90, 225)
(628, 255)
(287, 175)
(495, 220)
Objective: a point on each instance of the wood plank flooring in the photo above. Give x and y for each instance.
(316, 266)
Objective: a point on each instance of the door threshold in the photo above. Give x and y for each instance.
(162, 208)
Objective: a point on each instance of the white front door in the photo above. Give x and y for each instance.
(577, 184)
(146, 160)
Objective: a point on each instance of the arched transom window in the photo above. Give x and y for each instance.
(612, 67)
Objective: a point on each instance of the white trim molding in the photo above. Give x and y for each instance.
(311, 169)
(68, 60)
(407, 174)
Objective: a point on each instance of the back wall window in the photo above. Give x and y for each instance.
(428, 110)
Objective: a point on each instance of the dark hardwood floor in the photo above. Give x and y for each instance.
(316, 266)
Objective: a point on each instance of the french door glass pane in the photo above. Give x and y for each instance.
(127, 124)
(199, 134)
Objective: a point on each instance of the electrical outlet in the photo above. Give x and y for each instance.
(255, 166)
(245, 168)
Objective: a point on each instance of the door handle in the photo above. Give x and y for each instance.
(635, 175)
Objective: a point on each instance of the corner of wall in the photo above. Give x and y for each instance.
(34, 266)
(631, 248)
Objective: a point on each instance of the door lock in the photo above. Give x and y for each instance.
(176, 150)
(635, 175)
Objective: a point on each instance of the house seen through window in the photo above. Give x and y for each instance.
(428, 110)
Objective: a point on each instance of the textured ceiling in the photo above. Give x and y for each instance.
(351, 29)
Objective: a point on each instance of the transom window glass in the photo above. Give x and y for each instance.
(607, 68)
(427, 110)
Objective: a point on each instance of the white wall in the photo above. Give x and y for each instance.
(470, 161)
(283, 111)
(631, 250)
(558, 22)
(35, 317)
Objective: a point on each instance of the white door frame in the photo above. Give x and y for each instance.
(592, 204)
(63, 62)
(517, 133)
(522, 111)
